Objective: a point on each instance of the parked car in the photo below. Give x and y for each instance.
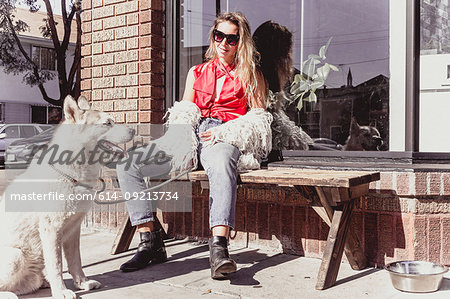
(19, 153)
(14, 132)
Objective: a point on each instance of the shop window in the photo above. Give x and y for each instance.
(359, 48)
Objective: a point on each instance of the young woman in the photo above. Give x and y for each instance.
(224, 102)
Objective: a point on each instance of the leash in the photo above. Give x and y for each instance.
(144, 191)
(103, 186)
(77, 182)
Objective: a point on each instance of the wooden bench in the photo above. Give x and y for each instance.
(329, 192)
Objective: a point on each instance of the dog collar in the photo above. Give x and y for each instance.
(77, 182)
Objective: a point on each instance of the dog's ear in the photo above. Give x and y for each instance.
(83, 103)
(71, 110)
(354, 127)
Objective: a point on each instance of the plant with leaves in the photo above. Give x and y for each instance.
(313, 75)
(16, 60)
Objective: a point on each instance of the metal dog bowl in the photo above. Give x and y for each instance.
(416, 276)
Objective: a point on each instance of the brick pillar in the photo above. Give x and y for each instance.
(123, 73)
(123, 58)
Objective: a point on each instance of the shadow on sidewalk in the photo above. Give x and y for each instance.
(184, 263)
(360, 274)
(246, 275)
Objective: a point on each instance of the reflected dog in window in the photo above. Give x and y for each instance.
(362, 138)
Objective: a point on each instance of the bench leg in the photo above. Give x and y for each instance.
(335, 246)
(352, 249)
(124, 237)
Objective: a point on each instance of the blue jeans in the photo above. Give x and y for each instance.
(220, 163)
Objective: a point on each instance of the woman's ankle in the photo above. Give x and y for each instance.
(146, 227)
(221, 231)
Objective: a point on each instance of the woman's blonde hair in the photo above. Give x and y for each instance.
(246, 59)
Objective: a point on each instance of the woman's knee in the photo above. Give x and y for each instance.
(124, 170)
(222, 157)
(225, 165)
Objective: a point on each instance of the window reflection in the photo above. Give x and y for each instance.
(358, 91)
(434, 27)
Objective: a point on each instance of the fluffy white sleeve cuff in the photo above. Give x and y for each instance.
(250, 133)
(180, 142)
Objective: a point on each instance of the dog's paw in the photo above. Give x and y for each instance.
(8, 295)
(89, 285)
(64, 294)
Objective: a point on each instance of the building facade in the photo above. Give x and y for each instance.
(136, 55)
(21, 103)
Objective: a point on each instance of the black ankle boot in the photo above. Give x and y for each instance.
(150, 249)
(219, 259)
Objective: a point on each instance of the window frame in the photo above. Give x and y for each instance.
(48, 60)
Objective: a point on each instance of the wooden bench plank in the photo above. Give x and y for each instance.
(304, 177)
(308, 177)
(199, 175)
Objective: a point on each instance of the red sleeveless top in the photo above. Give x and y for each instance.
(231, 102)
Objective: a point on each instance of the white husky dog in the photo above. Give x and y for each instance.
(32, 242)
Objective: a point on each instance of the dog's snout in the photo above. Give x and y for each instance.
(378, 140)
(132, 131)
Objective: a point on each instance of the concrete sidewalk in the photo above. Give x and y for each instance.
(260, 274)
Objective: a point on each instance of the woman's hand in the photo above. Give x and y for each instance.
(208, 136)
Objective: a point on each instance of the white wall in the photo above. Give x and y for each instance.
(13, 90)
(17, 113)
(434, 133)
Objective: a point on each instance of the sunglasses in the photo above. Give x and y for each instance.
(219, 36)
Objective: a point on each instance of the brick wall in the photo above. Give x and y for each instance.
(123, 58)
(123, 72)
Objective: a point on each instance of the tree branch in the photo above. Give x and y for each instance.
(77, 57)
(64, 10)
(68, 27)
(51, 23)
(47, 98)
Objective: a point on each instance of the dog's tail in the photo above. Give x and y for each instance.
(18, 275)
